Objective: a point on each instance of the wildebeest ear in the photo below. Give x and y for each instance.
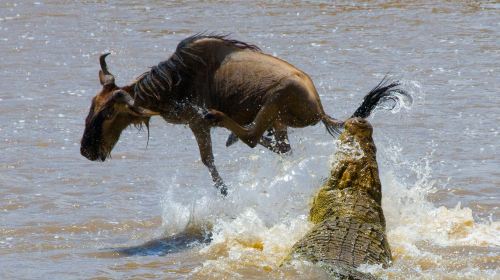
(106, 80)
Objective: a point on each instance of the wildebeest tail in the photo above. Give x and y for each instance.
(333, 126)
(386, 90)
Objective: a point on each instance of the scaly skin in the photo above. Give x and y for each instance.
(349, 222)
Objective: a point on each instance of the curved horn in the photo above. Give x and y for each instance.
(106, 78)
(121, 96)
(104, 66)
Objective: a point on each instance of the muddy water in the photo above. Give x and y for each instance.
(146, 212)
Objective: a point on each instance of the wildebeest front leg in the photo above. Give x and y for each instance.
(202, 135)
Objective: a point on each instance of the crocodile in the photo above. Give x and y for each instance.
(349, 223)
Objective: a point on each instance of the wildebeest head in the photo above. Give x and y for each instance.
(112, 110)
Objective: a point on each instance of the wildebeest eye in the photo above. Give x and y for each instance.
(109, 113)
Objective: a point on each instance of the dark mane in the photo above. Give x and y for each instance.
(162, 78)
(224, 38)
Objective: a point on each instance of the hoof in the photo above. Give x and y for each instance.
(285, 150)
(223, 191)
(231, 139)
(222, 188)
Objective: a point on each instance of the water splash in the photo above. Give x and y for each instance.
(247, 242)
(350, 149)
(398, 101)
(431, 241)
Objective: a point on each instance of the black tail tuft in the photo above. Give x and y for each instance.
(385, 90)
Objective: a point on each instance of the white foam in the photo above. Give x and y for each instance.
(275, 187)
(412, 218)
(247, 242)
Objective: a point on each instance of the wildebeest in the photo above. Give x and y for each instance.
(212, 81)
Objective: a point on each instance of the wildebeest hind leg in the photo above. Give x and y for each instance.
(276, 140)
(279, 143)
(252, 134)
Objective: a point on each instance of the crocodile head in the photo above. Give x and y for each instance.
(358, 134)
(354, 176)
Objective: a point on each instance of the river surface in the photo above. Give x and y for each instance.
(151, 211)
